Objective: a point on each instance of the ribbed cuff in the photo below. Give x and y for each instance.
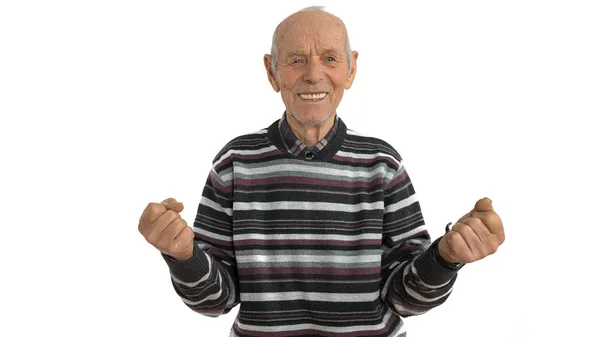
(190, 270)
(431, 267)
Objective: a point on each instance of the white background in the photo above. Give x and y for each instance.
(108, 105)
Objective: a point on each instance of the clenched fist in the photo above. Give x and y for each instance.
(476, 235)
(162, 227)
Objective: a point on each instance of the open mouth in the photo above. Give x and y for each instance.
(313, 97)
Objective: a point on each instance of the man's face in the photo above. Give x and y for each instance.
(312, 66)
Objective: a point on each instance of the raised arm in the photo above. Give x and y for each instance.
(413, 279)
(201, 261)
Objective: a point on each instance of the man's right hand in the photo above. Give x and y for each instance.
(162, 226)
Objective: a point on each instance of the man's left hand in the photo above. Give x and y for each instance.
(476, 235)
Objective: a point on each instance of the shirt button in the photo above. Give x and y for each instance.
(309, 155)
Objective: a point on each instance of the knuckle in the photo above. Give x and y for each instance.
(180, 223)
(153, 237)
(171, 214)
(164, 243)
(175, 248)
(155, 209)
(474, 221)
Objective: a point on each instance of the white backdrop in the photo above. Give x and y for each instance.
(108, 105)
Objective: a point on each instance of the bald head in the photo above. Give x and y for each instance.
(307, 22)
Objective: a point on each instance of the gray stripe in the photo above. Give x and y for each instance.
(291, 170)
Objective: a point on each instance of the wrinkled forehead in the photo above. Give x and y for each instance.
(312, 30)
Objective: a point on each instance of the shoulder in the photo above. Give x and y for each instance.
(359, 144)
(248, 142)
(251, 147)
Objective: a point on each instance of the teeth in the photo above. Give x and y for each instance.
(313, 96)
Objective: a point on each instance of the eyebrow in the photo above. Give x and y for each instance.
(295, 54)
(326, 51)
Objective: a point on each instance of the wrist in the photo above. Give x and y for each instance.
(445, 261)
(182, 257)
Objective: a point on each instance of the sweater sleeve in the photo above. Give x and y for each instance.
(207, 282)
(413, 281)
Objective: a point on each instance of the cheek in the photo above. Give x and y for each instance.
(289, 79)
(338, 80)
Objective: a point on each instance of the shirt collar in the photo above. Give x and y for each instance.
(296, 147)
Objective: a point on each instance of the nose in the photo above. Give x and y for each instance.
(314, 71)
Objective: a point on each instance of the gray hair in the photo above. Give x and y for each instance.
(275, 50)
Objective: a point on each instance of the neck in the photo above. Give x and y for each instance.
(310, 133)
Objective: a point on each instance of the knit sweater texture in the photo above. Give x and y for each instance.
(333, 245)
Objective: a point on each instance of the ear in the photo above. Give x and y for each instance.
(352, 74)
(272, 79)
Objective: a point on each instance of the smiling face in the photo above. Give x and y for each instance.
(312, 66)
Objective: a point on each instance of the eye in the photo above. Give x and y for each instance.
(297, 61)
(330, 59)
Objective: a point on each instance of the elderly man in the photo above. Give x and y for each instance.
(314, 229)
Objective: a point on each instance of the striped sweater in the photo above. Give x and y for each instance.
(334, 245)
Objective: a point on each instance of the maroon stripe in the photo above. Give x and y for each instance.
(307, 314)
(266, 243)
(315, 278)
(304, 190)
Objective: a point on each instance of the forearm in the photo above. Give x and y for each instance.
(421, 284)
(203, 284)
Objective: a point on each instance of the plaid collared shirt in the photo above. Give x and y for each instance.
(296, 147)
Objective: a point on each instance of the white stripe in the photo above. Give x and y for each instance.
(202, 231)
(354, 133)
(193, 284)
(208, 298)
(401, 237)
(366, 155)
(308, 326)
(391, 278)
(418, 296)
(309, 296)
(309, 258)
(216, 206)
(243, 152)
(306, 206)
(321, 237)
(401, 204)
